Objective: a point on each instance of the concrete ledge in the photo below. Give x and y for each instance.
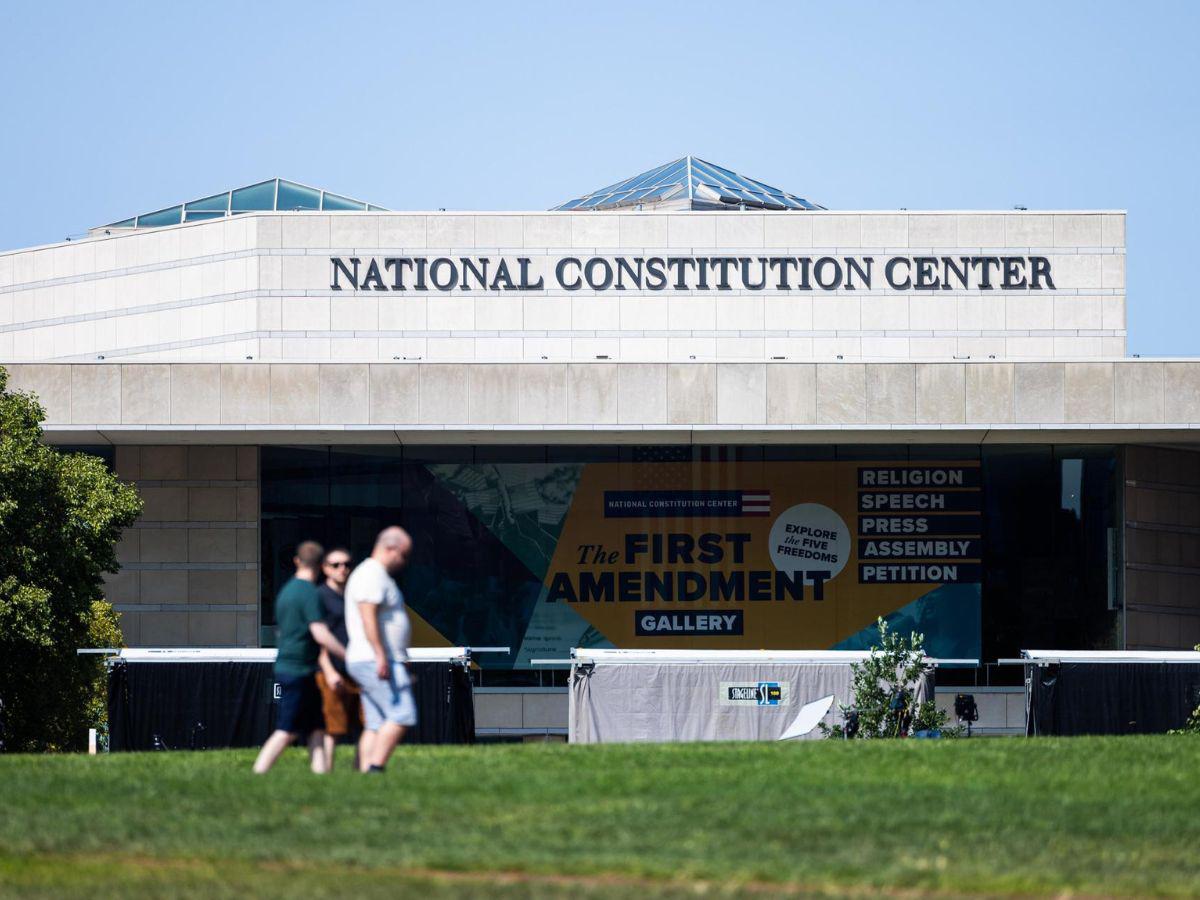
(114, 402)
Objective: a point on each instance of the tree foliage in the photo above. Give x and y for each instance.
(61, 515)
(884, 685)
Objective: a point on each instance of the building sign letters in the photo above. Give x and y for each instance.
(690, 273)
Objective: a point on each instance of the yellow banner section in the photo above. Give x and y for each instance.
(767, 555)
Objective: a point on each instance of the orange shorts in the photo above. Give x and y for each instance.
(342, 711)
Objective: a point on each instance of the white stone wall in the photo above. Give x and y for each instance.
(258, 286)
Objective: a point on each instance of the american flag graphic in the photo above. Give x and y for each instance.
(756, 503)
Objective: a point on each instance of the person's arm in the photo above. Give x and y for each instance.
(333, 677)
(370, 620)
(323, 636)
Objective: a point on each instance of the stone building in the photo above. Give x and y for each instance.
(687, 383)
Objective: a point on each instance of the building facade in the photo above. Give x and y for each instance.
(667, 419)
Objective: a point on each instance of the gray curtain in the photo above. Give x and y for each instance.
(691, 702)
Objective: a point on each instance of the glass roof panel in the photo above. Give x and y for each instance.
(672, 175)
(216, 201)
(713, 173)
(707, 180)
(263, 196)
(171, 216)
(334, 201)
(294, 196)
(254, 197)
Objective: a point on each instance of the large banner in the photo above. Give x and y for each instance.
(720, 555)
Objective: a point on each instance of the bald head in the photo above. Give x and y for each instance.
(392, 548)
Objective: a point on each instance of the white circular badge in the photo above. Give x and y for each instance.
(810, 537)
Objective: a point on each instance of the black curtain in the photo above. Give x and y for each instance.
(1110, 698)
(211, 705)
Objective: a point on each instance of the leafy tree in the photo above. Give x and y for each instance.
(885, 705)
(61, 515)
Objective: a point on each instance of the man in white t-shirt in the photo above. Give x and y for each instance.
(377, 651)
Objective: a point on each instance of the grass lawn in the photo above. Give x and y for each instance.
(1088, 815)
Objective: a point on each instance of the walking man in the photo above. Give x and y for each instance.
(301, 633)
(377, 653)
(339, 694)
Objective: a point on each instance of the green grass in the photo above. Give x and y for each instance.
(1091, 815)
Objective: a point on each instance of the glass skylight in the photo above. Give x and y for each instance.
(704, 184)
(276, 194)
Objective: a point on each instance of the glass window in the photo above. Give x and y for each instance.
(943, 451)
(333, 201)
(124, 223)
(511, 453)
(713, 174)
(105, 452)
(787, 452)
(1049, 567)
(195, 216)
(172, 216)
(579, 454)
(215, 202)
(255, 197)
(872, 451)
(488, 522)
(296, 196)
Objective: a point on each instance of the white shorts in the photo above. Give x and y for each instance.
(388, 700)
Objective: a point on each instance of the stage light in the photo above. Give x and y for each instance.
(965, 710)
(850, 729)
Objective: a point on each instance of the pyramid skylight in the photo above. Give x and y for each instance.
(690, 183)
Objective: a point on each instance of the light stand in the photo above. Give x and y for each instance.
(965, 710)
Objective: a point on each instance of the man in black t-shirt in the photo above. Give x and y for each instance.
(302, 639)
(339, 694)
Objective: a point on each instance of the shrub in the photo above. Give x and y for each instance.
(884, 700)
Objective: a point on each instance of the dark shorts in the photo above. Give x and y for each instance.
(299, 709)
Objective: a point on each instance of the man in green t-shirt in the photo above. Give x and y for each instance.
(302, 632)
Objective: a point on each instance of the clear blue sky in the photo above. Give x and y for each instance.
(109, 109)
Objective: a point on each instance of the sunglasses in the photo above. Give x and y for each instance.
(338, 565)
